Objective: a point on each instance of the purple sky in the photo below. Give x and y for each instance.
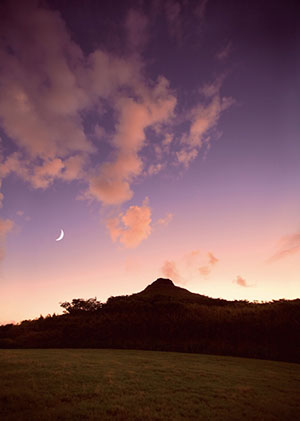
(162, 136)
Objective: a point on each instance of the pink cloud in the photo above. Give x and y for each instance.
(192, 257)
(288, 245)
(204, 270)
(203, 118)
(6, 225)
(166, 220)
(131, 227)
(43, 118)
(241, 282)
(45, 90)
(44, 174)
(105, 73)
(207, 268)
(11, 164)
(191, 265)
(73, 167)
(154, 169)
(186, 156)
(206, 260)
(170, 271)
(111, 182)
(212, 259)
(167, 140)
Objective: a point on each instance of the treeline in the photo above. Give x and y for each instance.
(159, 322)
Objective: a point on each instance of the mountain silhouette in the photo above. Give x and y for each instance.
(165, 288)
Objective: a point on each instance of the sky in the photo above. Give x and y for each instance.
(161, 136)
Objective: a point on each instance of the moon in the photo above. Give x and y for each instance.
(61, 235)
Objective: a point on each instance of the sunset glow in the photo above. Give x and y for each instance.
(161, 137)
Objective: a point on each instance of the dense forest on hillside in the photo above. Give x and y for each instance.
(169, 318)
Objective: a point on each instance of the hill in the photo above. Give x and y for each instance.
(168, 318)
(165, 287)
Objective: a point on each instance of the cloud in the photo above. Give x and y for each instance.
(73, 167)
(224, 52)
(45, 90)
(40, 176)
(170, 271)
(167, 139)
(50, 88)
(212, 259)
(111, 182)
(131, 227)
(241, 282)
(45, 173)
(136, 25)
(41, 94)
(6, 225)
(186, 156)
(288, 245)
(204, 270)
(203, 118)
(189, 266)
(22, 214)
(206, 260)
(166, 220)
(154, 169)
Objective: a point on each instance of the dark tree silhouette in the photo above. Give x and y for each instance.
(168, 318)
(79, 304)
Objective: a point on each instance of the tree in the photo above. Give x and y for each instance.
(79, 305)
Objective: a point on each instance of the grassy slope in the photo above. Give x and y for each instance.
(140, 385)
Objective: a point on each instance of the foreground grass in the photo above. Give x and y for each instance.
(144, 385)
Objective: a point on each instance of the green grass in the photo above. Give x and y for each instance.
(71, 384)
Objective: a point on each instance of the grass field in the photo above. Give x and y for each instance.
(73, 384)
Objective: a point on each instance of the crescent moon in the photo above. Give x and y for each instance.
(61, 235)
